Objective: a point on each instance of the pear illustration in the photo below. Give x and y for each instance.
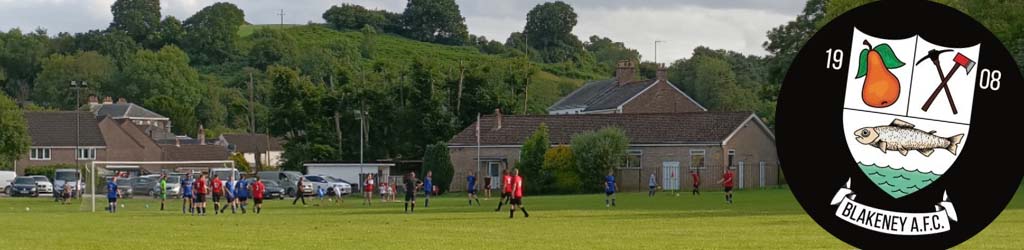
(881, 88)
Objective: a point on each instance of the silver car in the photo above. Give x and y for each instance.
(173, 187)
(43, 184)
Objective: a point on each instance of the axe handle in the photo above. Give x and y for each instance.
(942, 86)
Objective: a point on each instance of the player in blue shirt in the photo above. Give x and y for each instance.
(242, 193)
(186, 193)
(428, 188)
(471, 188)
(609, 189)
(229, 193)
(320, 192)
(112, 194)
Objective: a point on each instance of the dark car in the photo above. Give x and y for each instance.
(273, 189)
(23, 186)
(143, 184)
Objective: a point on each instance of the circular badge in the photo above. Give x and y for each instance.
(895, 126)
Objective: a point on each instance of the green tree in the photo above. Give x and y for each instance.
(182, 115)
(531, 161)
(20, 57)
(298, 108)
(115, 44)
(435, 21)
(437, 160)
(241, 164)
(786, 40)
(211, 34)
(560, 163)
(140, 19)
(52, 85)
(608, 53)
(549, 30)
(171, 31)
(166, 72)
(270, 46)
(353, 17)
(14, 139)
(367, 46)
(598, 152)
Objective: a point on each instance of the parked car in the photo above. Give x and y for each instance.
(273, 189)
(43, 183)
(328, 184)
(141, 185)
(173, 187)
(24, 186)
(346, 187)
(6, 177)
(124, 185)
(68, 175)
(288, 180)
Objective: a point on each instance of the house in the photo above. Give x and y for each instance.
(127, 142)
(154, 125)
(668, 145)
(55, 139)
(624, 94)
(258, 149)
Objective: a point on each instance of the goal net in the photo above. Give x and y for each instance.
(137, 178)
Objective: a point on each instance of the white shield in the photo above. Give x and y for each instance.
(898, 144)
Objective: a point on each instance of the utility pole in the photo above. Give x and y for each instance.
(77, 86)
(526, 88)
(282, 17)
(656, 42)
(252, 107)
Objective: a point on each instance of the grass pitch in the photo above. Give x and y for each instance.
(763, 219)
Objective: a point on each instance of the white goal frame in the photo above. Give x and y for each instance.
(92, 168)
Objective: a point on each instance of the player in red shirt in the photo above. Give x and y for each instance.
(200, 194)
(217, 190)
(696, 182)
(257, 194)
(727, 183)
(506, 192)
(368, 190)
(517, 195)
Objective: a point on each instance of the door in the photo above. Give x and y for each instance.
(494, 171)
(670, 175)
(740, 173)
(761, 173)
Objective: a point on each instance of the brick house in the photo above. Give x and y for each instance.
(624, 94)
(668, 145)
(54, 141)
(152, 124)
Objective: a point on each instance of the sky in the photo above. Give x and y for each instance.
(738, 25)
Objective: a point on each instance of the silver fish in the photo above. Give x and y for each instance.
(901, 136)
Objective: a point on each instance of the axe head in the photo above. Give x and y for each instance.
(965, 62)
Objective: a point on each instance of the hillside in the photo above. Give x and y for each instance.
(545, 87)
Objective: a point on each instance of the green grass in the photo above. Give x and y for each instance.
(248, 29)
(768, 219)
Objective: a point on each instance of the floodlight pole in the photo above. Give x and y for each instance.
(78, 126)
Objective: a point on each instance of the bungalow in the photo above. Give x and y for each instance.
(668, 145)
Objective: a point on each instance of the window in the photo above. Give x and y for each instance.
(633, 159)
(86, 153)
(39, 154)
(732, 154)
(696, 158)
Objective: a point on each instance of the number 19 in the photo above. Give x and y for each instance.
(834, 59)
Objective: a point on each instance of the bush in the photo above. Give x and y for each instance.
(241, 164)
(560, 163)
(596, 153)
(531, 161)
(437, 160)
(47, 170)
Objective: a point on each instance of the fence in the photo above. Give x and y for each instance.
(754, 175)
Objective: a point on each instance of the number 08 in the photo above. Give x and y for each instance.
(990, 79)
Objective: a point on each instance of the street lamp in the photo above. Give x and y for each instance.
(77, 86)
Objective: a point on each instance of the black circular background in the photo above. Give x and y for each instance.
(817, 161)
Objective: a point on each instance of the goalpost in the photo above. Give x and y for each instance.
(103, 164)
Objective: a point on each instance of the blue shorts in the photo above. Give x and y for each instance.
(111, 200)
(186, 196)
(609, 192)
(472, 191)
(243, 198)
(230, 197)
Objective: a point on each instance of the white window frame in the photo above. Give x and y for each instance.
(695, 152)
(630, 153)
(731, 156)
(90, 153)
(40, 154)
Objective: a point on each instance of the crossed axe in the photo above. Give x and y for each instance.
(959, 61)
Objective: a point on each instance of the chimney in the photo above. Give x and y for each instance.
(497, 119)
(202, 135)
(122, 101)
(93, 100)
(662, 74)
(624, 72)
(108, 100)
(177, 141)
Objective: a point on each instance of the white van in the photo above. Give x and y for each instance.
(6, 177)
(224, 174)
